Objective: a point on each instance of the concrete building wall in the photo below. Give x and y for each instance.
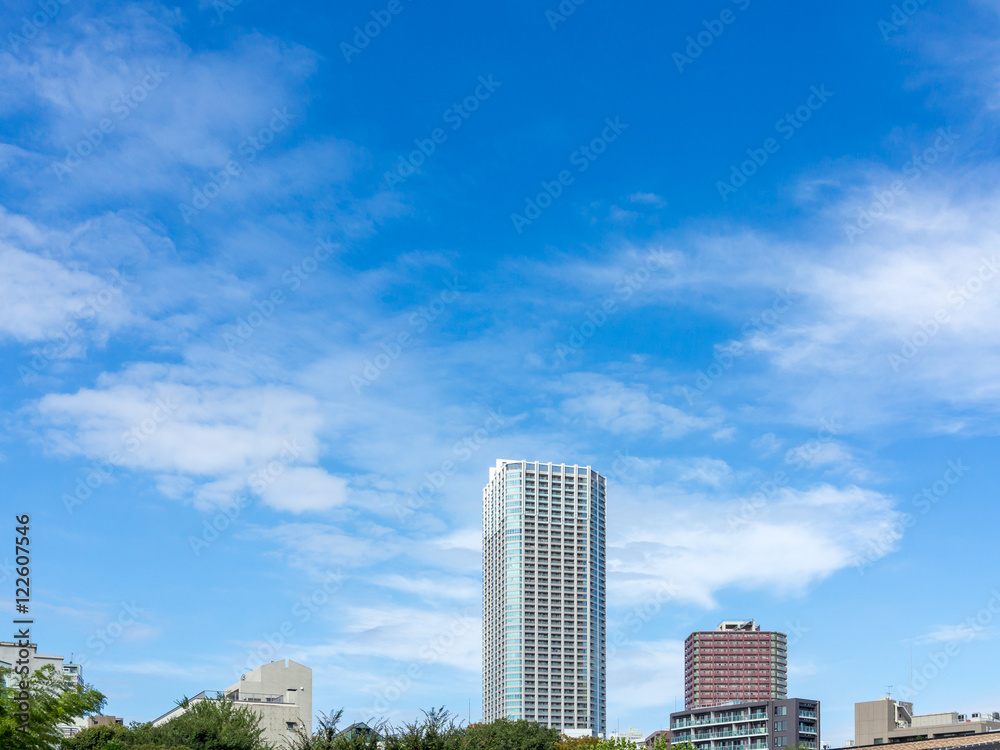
(288, 679)
(280, 693)
(885, 721)
(9, 654)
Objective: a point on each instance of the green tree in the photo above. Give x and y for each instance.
(328, 735)
(207, 725)
(576, 743)
(505, 734)
(52, 698)
(99, 738)
(660, 743)
(437, 730)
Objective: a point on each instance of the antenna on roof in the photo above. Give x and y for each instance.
(889, 691)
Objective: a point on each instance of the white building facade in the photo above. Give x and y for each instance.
(279, 692)
(544, 623)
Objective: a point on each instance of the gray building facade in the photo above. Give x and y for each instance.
(754, 725)
(885, 721)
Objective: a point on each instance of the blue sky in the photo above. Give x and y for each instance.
(264, 271)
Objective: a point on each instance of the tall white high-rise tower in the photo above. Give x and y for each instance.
(544, 596)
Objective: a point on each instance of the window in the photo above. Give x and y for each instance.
(780, 726)
(291, 725)
(780, 742)
(780, 710)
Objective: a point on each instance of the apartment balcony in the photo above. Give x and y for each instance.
(730, 733)
(807, 729)
(807, 713)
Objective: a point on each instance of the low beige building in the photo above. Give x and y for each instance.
(887, 721)
(280, 693)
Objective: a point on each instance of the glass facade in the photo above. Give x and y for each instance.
(544, 628)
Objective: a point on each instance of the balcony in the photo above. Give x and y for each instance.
(730, 733)
(807, 713)
(807, 728)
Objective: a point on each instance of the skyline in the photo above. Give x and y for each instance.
(739, 257)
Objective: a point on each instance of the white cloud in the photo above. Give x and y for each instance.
(725, 435)
(41, 299)
(410, 635)
(202, 441)
(767, 444)
(322, 549)
(948, 633)
(712, 472)
(644, 674)
(647, 199)
(698, 548)
(622, 409)
(305, 488)
(463, 539)
(440, 587)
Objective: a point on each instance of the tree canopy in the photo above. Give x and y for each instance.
(52, 699)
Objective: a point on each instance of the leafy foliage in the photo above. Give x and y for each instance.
(223, 725)
(576, 743)
(438, 730)
(53, 699)
(208, 725)
(100, 738)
